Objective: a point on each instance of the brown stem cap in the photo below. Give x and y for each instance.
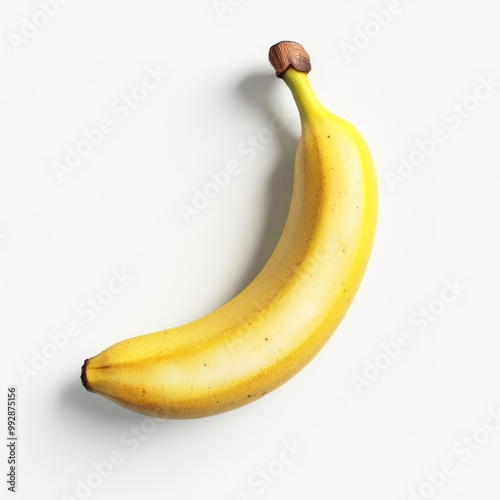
(285, 54)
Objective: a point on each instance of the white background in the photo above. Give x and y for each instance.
(62, 237)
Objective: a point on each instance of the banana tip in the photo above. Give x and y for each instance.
(286, 54)
(83, 375)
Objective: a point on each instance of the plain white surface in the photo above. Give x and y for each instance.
(118, 211)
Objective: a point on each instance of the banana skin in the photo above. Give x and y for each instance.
(272, 329)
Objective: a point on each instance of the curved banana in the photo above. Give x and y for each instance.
(273, 328)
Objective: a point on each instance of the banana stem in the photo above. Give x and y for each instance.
(292, 63)
(303, 94)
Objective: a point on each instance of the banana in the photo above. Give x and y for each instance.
(273, 328)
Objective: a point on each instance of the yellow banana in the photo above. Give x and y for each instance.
(273, 328)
